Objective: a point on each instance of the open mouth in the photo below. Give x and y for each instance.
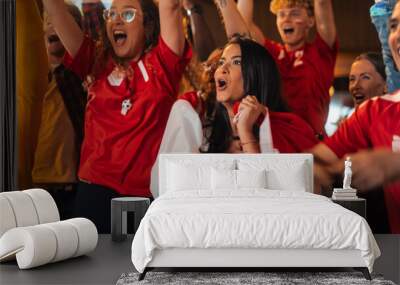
(119, 37)
(53, 39)
(221, 84)
(359, 98)
(288, 31)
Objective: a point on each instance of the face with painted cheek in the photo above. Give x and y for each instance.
(293, 25)
(127, 39)
(394, 35)
(365, 82)
(228, 76)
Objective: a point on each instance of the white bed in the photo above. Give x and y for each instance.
(247, 211)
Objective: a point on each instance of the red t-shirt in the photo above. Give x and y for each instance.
(307, 75)
(119, 150)
(290, 133)
(372, 125)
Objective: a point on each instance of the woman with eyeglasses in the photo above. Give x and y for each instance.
(132, 75)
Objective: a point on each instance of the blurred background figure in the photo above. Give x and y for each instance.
(199, 36)
(61, 128)
(367, 77)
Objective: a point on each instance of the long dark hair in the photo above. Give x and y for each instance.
(151, 23)
(261, 78)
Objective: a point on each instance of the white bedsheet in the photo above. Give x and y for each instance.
(253, 218)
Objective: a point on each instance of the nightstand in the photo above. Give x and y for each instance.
(358, 206)
(119, 208)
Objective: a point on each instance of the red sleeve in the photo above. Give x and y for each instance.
(290, 133)
(191, 97)
(194, 99)
(352, 134)
(273, 48)
(171, 64)
(81, 64)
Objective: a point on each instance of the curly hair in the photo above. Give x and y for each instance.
(275, 5)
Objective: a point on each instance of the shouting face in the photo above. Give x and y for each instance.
(125, 30)
(365, 82)
(293, 25)
(54, 47)
(228, 76)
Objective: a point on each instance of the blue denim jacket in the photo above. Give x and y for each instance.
(380, 13)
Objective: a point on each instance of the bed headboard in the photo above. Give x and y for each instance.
(285, 170)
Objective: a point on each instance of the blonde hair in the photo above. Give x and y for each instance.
(275, 5)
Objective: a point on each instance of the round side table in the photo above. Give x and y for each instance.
(119, 209)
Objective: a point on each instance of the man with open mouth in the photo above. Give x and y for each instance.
(61, 126)
(306, 68)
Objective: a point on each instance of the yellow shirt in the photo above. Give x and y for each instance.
(56, 157)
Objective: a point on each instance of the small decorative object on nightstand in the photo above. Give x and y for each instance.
(347, 196)
(119, 209)
(345, 193)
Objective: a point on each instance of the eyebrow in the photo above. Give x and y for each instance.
(363, 73)
(125, 6)
(236, 56)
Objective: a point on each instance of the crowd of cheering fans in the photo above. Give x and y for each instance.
(144, 77)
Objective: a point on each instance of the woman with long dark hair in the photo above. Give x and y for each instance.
(248, 113)
(246, 105)
(132, 75)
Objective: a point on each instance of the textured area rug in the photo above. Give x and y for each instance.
(243, 278)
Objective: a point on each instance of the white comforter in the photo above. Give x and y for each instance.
(253, 218)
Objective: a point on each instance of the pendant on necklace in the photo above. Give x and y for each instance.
(126, 106)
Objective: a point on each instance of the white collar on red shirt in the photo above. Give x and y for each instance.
(143, 71)
(394, 97)
(115, 78)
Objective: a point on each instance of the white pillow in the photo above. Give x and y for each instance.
(190, 175)
(251, 178)
(237, 179)
(282, 174)
(223, 179)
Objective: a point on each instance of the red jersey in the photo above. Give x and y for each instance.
(372, 125)
(307, 75)
(121, 141)
(290, 133)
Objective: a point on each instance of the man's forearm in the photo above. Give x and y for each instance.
(325, 21)
(234, 23)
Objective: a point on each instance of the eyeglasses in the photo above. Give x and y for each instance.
(127, 15)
